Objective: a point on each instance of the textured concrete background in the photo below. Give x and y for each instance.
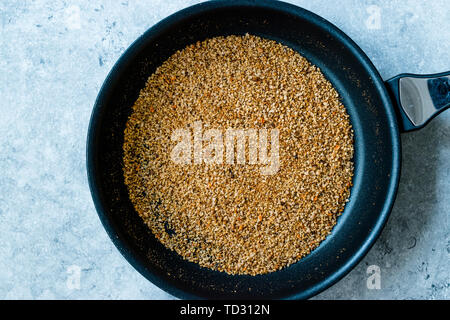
(54, 56)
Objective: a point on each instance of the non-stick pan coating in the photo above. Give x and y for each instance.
(377, 149)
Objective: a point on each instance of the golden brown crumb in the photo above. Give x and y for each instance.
(229, 217)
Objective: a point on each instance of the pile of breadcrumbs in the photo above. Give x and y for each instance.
(230, 217)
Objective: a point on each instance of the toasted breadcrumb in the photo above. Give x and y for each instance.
(229, 217)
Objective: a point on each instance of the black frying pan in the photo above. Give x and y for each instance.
(378, 113)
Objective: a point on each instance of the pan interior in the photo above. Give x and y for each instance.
(362, 92)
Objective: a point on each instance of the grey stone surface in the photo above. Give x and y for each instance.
(54, 56)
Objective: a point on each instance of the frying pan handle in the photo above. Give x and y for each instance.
(419, 98)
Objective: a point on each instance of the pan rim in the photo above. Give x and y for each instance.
(133, 49)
